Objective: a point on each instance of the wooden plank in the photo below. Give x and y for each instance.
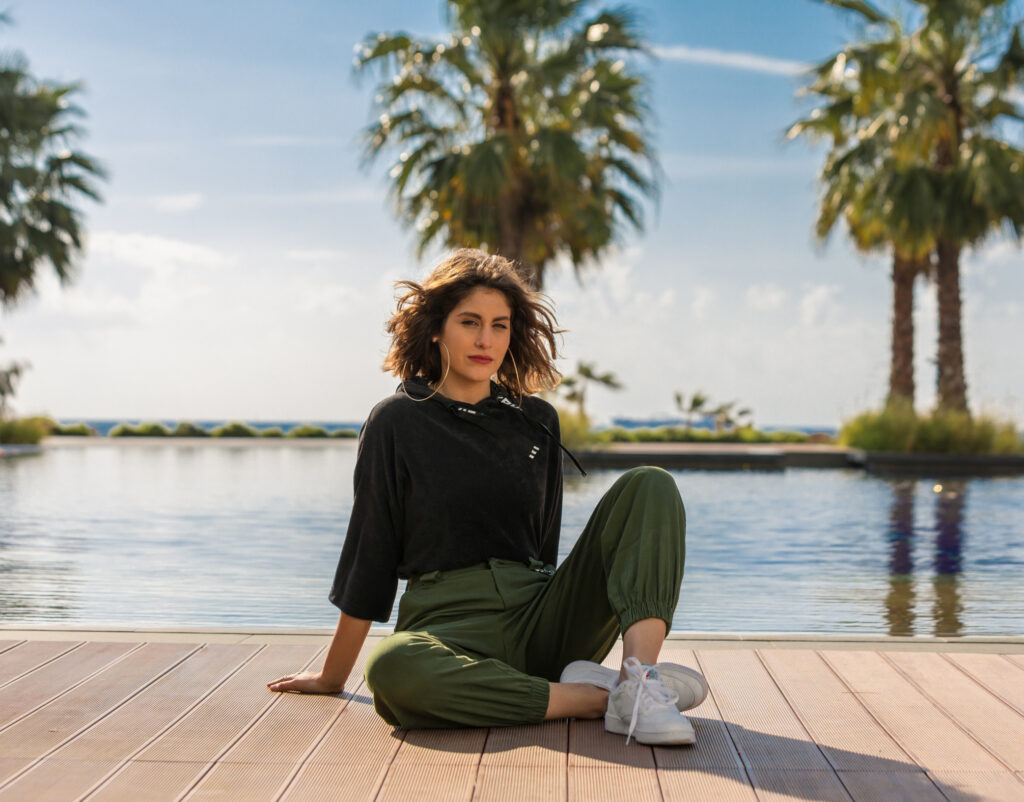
(461, 747)
(212, 727)
(871, 786)
(330, 782)
(970, 786)
(997, 726)
(9, 644)
(31, 691)
(842, 728)
(241, 782)
(63, 780)
(719, 784)
(766, 731)
(714, 749)
(1016, 659)
(625, 783)
(998, 675)
(920, 728)
(14, 662)
(521, 782)
(163, 781)
(44, 730)
(99, 750)
(543, 744)
(591, 746)
(352, 759)
(790, 784)
(436, 781)
(279, 742)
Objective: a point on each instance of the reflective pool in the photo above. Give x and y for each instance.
(178, 535)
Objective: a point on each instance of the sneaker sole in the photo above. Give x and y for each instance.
(686, 682)
(680, 737)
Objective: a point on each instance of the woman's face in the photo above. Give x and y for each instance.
(476, 334)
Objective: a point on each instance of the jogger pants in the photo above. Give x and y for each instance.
(477, 646)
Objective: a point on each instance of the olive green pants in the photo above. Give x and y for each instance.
(477, 646)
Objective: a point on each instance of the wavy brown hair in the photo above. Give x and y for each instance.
(423, 308)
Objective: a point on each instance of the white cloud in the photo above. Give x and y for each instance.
(162, 255)
(316, 255)
(185, 202)
(732, 59)
(818, 304)
(703, 297)
(764, 297)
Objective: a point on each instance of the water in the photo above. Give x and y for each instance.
(248, 536)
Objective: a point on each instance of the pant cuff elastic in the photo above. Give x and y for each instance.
(638, 612)
(540, 692)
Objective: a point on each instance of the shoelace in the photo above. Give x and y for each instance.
(649, 687)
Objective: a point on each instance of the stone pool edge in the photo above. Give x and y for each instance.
(1006, 644)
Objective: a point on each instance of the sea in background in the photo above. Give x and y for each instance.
(103, 427)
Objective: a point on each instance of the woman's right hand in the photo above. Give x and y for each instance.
(305, 682)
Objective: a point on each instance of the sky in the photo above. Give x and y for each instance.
(242, 263)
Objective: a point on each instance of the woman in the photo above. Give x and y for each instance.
(458, 489)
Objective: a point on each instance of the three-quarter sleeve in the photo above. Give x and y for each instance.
(366, 579)
(552, 499)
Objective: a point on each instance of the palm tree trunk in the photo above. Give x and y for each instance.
(952, 388)
(901, 367)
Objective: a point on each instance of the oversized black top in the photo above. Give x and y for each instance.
(442, 484)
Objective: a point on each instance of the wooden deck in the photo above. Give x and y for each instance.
(132, 720)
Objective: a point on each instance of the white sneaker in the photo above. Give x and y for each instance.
(642, 706)
(688, 685)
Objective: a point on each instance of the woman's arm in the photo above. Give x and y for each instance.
(341, 656)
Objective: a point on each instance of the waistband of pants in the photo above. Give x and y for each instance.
(435, 576)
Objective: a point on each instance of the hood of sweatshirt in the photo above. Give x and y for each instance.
(499, 402)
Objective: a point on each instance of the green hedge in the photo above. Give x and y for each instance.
(234, 429)
(898, 428)
(142, 430)
(306, 431)
(189, 429)
(73, 430)
(344, 433)
(25, 431)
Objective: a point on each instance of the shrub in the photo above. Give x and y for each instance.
(23, 432)
(891, 429)
(344, 433)
(234, 429)
(898, 428)
(306, 431)
(142, 430)
(273, 431)
(575, 428)
(189, 429)
(73, 430)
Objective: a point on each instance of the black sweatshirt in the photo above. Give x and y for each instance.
(442, 484)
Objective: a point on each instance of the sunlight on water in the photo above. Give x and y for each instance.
(176, 535)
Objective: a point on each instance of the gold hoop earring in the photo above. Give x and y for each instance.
(519, 385)
(447, 367)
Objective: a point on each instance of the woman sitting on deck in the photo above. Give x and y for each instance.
(458, 489)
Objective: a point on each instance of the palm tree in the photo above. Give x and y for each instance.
(916, 161)
(573, 388)
(696, 407)
(41, 179)
(524, 131)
